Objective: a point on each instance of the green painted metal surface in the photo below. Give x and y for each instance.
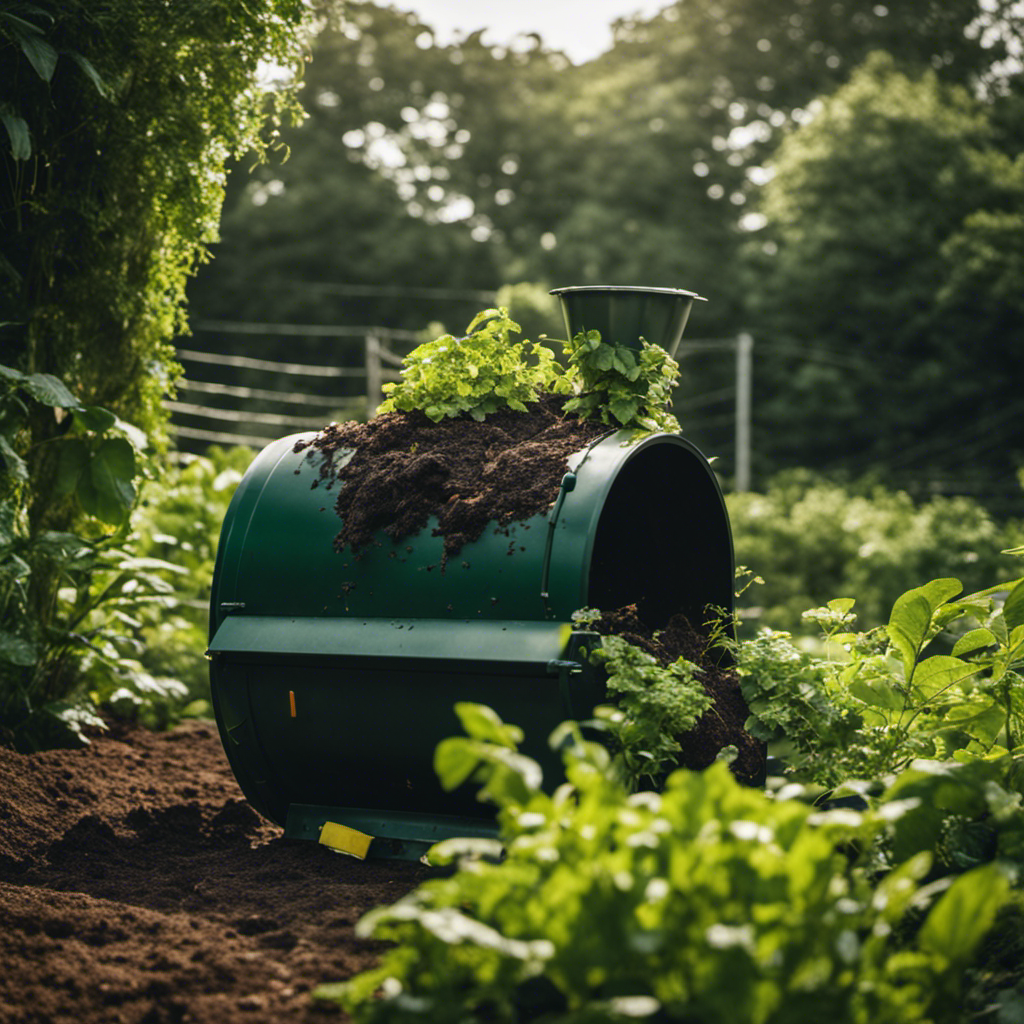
(645, 503)
(335, 674)
(397, 835)
(624, 314)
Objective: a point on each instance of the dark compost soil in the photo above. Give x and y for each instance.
(401, 469)
(136, 885)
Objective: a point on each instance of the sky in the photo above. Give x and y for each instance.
(580, 28)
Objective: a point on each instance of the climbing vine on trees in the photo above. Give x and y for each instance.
(116, 122)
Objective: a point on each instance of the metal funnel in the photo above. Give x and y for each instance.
(626, 313)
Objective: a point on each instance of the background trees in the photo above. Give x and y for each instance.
(875, 218)
(859, 214)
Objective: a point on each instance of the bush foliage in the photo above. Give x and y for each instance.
(874, 900)
(116, 122)
(811, 539)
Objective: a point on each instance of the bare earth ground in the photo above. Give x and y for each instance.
(136, 885)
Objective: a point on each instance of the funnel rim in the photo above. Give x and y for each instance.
(635, 288)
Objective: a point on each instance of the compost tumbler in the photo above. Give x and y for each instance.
(334, 677)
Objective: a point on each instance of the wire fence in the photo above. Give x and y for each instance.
(281, 397)
(232, 399)
(278, 397)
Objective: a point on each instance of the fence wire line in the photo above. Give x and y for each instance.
(259, 394)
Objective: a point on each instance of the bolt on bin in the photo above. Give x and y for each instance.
(330, 701)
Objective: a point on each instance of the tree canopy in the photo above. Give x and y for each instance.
(893, 224)
(464, 167)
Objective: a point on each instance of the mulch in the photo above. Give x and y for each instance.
(400, 469)
(137, 885)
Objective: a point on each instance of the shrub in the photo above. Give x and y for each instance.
(706, 903)
(486, 371)
(619, 385)
(811, 539)
(477, 375)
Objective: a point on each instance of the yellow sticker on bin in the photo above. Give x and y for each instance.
(343, 839)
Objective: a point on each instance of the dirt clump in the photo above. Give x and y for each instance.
(401, 468)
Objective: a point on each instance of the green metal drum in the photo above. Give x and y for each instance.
(334, 677)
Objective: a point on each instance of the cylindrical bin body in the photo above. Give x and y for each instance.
(334, 676)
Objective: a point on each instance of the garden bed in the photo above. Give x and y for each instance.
(136, 885)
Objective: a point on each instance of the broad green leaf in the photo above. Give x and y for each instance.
(483, 723)
(455, 759)
(90, 72)
(974, 640)
(75, 718)
(514, 777)
(449, 850)
(1013, 609)
(965, 914)
(74, 457)
(40, 54)
(983, 721)
(912, 616)
(18, 134)
(625, 361)
(939, 671)
(624, 410)
(17, 651)
(49, 390)
(13, 463)
(106, 489)
(95, 418)
(897, 889)
(879, 693)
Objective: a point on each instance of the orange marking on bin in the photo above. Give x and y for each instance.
(291, 701)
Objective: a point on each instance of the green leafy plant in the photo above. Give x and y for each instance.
(117, 121)
(620, 385)
(96, 464)
(889, 695)
(178, 521)
(486, 371)
(69, 601)
(654, 706)
(477, 375)
(709, 902)
(811, 539)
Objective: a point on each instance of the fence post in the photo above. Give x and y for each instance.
(373, 375)
(744, 373)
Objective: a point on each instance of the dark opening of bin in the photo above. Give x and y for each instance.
(663, 541)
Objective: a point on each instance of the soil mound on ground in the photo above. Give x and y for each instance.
(137, 887)
(401, 468)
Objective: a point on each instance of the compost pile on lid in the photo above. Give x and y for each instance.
(401, 468)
